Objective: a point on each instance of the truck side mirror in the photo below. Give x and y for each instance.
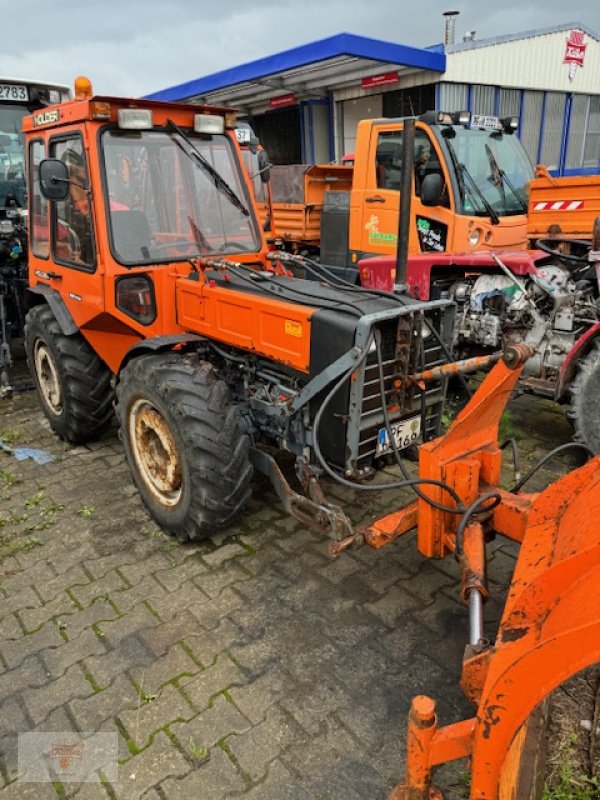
(264, 167)
(431, 189)
(54, 179)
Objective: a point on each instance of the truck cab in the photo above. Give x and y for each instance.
(469, 189)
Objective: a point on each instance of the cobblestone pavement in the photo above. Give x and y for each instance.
(248, 665)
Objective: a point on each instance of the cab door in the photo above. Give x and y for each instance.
(379, 201)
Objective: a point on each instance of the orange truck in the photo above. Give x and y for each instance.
(565, 207)
(469, 191)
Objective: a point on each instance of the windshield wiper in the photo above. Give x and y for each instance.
(194, 154)
(500, 177)
(462, 172)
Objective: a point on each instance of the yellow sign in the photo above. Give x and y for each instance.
(293, 328)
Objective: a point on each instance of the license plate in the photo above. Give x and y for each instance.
(14, 91)
(490, 123)
(405, 432)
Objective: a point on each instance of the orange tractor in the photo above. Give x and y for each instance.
(149, 274)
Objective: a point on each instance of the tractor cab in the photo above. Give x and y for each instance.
(125, 196)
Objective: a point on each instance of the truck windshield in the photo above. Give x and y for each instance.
(495, 168)
(165, 206)
(12, 154)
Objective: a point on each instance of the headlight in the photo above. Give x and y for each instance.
(209, 123)
(134, 296)
(475, 237)
(135, 119)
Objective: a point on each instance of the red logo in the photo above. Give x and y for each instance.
(574, 52)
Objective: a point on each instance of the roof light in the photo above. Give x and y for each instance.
(53, 97)
(135, 119)
(83, 88)
(510, 123)
(100, 110)
(209, 123)
(464, 117)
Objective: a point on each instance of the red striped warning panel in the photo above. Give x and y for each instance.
(559, 205)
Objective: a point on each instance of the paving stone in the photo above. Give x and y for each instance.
(40, 701)
(208, 644)
(28, 791)
(221, 676)
(256, 696)
(10, 628)
(130, 652)
(136, 572)
(224, 553)
(147, 589)
(211, 725)
(156, 763)
(255, 750)
(209, 614)
(174, 577)
(140, 619)
(107, 584)
(14, 651)
(214, 581)
(168, 604)
(279, 784)
(215, 778)
(90, 712)
(35, 576)
(19, 601)
(393, 604)
(74, 577)
(29, 673)
(12, 718)
(168, 706)
(176, 663)
(61, 605)
(57, 659)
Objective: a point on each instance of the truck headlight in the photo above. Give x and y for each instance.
(475, 237)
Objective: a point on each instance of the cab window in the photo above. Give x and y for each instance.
(72, 218)
(427, 163)
(388, 160)
(40, 238)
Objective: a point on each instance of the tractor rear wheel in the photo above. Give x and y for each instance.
(183, 441)
(73, 384)
(584, 413)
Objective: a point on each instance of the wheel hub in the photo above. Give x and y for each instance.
(156, 453)
(48, 378)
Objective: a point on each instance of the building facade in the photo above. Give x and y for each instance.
(304, 103)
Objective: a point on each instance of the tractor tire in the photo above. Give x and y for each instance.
(584, 413)
(73, 384)
(188, 456)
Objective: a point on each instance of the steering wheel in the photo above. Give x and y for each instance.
(552, 246)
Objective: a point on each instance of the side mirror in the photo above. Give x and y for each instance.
(431, 189)
(264, 166)
(54, 179)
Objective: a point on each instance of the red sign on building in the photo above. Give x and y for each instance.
(283, 100)
(574, 52)
(379, 80)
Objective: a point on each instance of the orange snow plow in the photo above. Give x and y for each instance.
(550, 627)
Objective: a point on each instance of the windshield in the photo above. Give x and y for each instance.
(498, 166)
(167, 206)
(12, 153)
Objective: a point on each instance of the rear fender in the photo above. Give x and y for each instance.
(569, 366)
(45, 294)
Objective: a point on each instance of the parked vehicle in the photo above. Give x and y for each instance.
(148, 270)
(469, 191)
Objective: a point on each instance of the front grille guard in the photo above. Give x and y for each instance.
(401, 338)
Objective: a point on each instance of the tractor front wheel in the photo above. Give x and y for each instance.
(182, 438)
(584, 413)
(73, 384)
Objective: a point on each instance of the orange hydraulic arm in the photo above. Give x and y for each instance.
(550, 628)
